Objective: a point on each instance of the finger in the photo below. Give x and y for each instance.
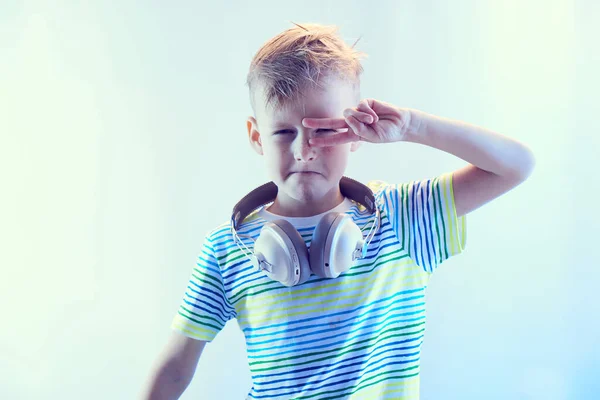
(360, 116)
(364, 117)
(365, 107)
(356, 125)
(335, 140)
(327, 123)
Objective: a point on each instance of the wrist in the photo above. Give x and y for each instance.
(417, 123)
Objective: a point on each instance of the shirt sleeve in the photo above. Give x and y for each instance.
(423, 217)
(204, 309)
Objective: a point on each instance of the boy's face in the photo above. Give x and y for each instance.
(280, 137)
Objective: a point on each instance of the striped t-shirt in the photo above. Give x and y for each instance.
(354, 337)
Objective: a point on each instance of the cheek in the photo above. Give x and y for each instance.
(337, 156)
(332, 151)
(336, 151)
(276, 158)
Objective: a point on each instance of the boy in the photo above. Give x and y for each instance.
(356, 336)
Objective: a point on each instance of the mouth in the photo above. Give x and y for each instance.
(304, 173)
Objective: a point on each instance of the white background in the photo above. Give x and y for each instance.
(123, 141)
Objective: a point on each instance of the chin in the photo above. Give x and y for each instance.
(308, 192)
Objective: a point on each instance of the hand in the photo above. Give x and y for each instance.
(372, 121)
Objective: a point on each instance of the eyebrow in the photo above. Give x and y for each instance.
(281, 125)
(278, 125)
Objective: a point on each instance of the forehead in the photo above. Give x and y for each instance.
(328, 101)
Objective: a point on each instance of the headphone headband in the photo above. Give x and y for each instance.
(268, 192)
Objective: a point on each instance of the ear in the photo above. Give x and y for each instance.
(254, 135)
(355, 146)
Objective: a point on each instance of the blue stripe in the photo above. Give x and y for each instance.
(373, 248)
(262, 328)
(347, 337)
(397, 206)
(414, 224)
(427, 232)
(354, 371)
(349, 288)
(360, 319)
(346, 363)
(197, 307)
(218, 299)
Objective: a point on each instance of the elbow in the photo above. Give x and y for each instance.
(528, 164)
(166, 382)
(523, 165)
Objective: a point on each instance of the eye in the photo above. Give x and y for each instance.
(284, 131)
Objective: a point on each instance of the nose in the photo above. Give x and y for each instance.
(303, 151)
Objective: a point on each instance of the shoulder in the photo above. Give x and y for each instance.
(377, 185)
(380, 188)
(218, 236)
(221, 235)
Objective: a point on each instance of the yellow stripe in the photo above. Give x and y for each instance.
(448, 198)
(406, 389)
(197, 331)
(456, 234)
(463, 241)
(416, 282)
(267, 315)
(309, 291)
(265, 302)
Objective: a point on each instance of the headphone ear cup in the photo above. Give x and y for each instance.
(299, 246)
(317, 245)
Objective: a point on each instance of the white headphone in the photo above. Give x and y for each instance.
(280, 250)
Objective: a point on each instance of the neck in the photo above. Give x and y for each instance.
(289, 207)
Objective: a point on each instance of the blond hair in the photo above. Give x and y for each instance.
(297, 59)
